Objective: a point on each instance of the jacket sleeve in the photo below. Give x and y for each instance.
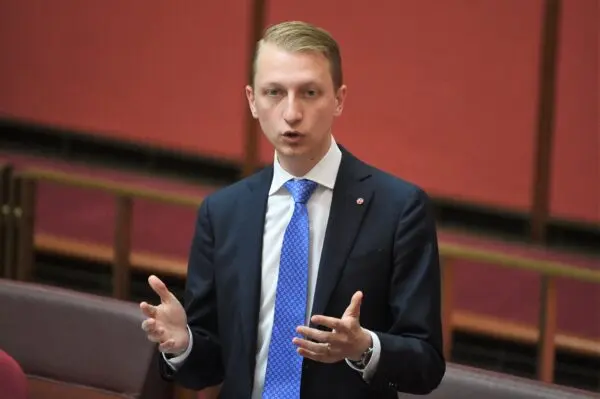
(411, 358)
(203, 367)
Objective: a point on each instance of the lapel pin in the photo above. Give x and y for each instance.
(360, 201)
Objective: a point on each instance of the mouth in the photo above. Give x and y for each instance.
(292, 137)
(292, 134)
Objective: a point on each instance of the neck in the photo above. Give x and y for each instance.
(298, 167)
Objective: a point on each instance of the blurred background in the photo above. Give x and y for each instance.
(116, 118)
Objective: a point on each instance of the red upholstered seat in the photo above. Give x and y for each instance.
(12, 378)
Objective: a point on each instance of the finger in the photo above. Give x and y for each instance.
(154, 338)
(166, 346)
(353, 310)
(148, 325)
(314, 347)
(314, 334)
(318, 357)
(330, 322)
(160, 288)
(308, 354)
(148, 310)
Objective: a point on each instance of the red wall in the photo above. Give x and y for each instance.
(142, 71)
(576, 168)
(443, 93)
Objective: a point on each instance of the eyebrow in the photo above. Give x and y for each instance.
(301, 85)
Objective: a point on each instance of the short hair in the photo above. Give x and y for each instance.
(298, 36)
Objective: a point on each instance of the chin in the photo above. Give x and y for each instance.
(297, 150)
(291, 149)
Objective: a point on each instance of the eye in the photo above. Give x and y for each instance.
(311, 93)
(272, 92)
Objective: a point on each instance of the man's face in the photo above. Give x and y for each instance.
(295, 101)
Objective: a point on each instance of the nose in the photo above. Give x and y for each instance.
(293, 112)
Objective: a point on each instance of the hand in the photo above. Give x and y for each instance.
(166, 323)
(347, 338)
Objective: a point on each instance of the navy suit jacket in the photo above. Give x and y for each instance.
(386, 247)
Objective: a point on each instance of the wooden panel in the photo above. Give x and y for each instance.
(144, 261)
(443, 93)
(42, 388)
(170, 74)
(575, 192)
(500, 328)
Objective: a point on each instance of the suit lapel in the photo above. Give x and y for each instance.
(351, 198)
(254, 205)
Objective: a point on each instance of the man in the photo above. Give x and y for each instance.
(318, 276)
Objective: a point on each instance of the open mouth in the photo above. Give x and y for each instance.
(291, 135)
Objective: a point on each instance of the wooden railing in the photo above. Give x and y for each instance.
(121, 250)
(548, 272)
(6, 217)
(124, 260)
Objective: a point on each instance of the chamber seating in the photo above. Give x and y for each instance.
(74, 345)
(462, 382)
(13, 382)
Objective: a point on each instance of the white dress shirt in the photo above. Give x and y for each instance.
(280, 207)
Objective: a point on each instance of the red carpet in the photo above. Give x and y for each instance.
(490, 290)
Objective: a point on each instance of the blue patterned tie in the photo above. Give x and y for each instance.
(284, 365)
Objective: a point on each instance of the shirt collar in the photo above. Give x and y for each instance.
(324, 173)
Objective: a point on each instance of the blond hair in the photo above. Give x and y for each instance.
(298, 36)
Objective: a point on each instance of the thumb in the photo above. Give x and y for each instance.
(159, 288)
(353, 310)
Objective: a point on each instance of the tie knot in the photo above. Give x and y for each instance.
(301, 190)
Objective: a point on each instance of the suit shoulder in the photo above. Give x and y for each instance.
(396, 186)
(226, 195)
(406, 198)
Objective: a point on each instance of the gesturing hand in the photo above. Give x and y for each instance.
(166, 324)
(347, 339)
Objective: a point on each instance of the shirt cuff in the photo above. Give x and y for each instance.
(176, 361)
(371, 367)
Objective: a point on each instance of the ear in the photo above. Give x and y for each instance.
(340, 98)
(251, 99)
